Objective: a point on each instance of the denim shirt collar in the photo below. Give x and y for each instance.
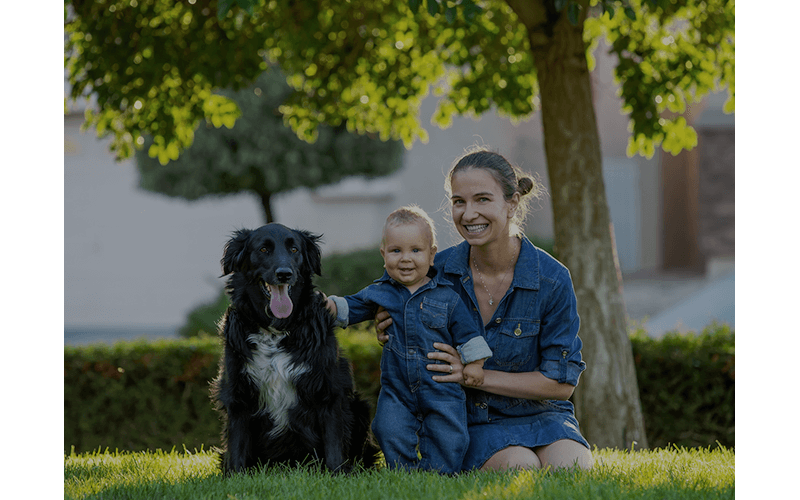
(435, 281)
(526, 271)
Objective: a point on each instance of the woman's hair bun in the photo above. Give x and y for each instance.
(525, 185)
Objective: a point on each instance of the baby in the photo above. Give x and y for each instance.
(413, 409)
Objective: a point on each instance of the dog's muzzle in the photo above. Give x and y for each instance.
(280, 303)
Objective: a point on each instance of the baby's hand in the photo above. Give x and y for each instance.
(473, 375)
(330, 304)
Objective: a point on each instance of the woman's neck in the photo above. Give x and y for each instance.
(494, 257)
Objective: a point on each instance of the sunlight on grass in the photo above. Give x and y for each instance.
(95, 472)
(675, 473)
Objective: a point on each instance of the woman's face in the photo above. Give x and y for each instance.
(480, 213)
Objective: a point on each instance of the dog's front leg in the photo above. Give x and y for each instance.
(238, 452)
(334, 439)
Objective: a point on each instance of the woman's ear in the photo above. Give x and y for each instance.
(513, 203)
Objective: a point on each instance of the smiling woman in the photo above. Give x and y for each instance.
(519, 415)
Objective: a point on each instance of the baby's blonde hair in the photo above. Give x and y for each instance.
(410, 214)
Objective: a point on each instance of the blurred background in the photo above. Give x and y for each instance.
(137, 261)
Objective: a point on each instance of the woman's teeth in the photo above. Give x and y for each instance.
(476, 228)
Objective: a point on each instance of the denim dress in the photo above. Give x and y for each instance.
(535, 328)
(414, 410)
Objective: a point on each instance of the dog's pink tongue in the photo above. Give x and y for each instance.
(280, 304)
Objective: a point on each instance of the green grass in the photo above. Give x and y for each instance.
(674, 473)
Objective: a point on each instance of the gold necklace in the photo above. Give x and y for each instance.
(503, 280)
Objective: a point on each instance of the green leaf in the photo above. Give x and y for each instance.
(630, 12)
(223, 7)
(560, 4)
(573, 10)
(433, 7)
(414, 5)
(450, 14)
(471, 10)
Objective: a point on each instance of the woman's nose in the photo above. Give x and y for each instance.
(469, 212)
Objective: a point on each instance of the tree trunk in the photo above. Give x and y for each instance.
(265, 197)
(607, 399)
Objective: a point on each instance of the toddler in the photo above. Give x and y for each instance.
(414, 410)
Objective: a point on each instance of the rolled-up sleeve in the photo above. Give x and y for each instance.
(559, 342)
(474, 349)
(469, 342)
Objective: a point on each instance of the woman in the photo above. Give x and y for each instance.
(524, 301)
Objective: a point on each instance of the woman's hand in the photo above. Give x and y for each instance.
(452, 369)
(382, 322)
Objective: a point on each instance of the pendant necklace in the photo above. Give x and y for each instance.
(503, 280)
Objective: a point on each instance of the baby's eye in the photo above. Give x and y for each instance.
(415, 250)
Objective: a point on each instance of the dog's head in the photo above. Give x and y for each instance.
(274, 260)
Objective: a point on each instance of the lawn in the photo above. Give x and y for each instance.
(673, 473)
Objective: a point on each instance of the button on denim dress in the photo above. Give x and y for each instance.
(535, 328)
(414, 410)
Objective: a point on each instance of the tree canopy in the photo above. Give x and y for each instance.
(154, 65)
(259, 154)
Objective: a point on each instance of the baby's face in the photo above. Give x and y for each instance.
(407, 253)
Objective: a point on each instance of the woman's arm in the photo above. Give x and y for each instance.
(526, 385)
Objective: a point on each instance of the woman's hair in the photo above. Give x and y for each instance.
(411, 214)
(510, 178)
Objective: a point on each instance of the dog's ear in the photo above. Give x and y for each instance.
(235, 253)
(313, 253)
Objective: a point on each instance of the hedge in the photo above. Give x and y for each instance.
(687, 387)
(144, 395)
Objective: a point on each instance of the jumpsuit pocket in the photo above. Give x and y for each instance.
(433, 313)
(516, 345)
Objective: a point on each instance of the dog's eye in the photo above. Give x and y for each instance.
(293, 250)
(263, 249)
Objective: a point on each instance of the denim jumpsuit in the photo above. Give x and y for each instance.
(413, 409)
(535, 328)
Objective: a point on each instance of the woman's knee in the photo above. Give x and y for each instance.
(565, 453)
(513, 457)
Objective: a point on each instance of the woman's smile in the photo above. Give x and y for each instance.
(475, 228)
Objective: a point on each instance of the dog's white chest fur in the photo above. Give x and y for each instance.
(273, 372)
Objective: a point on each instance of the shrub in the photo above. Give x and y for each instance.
(687, 386)
(138, 395)
(133, 395)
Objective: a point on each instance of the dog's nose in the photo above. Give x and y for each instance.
(284, 274)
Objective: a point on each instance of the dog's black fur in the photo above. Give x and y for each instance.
(285, 393)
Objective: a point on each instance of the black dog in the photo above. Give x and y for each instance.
(285, 393)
